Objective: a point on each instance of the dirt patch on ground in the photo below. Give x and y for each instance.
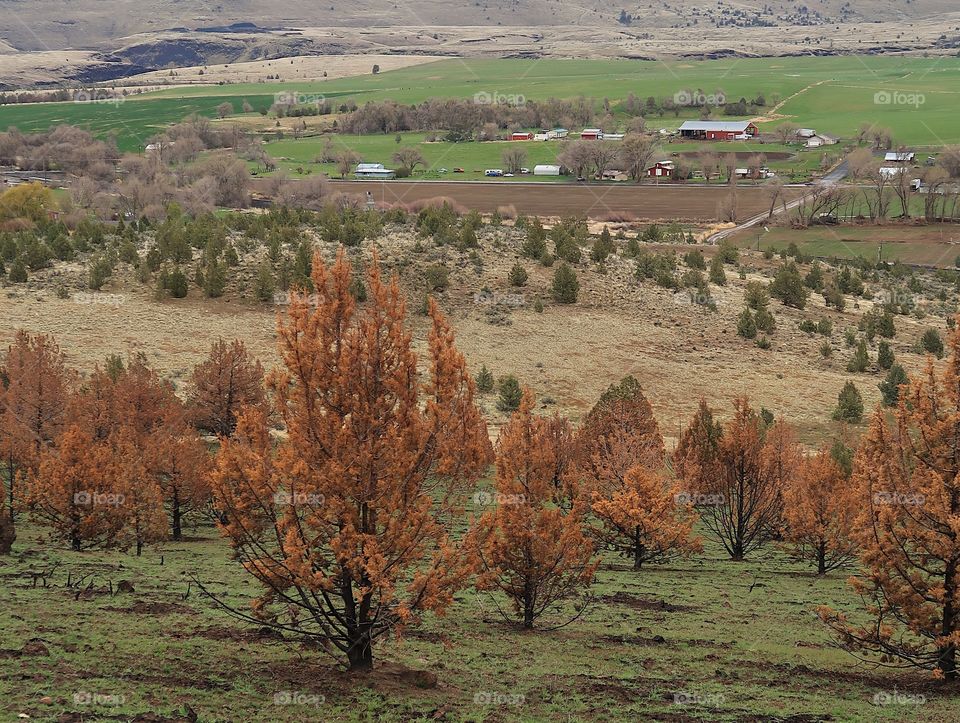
(637, 603)
(143, 607)
(686, 203)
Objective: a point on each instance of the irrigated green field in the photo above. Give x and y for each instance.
(298, 155)
(919, 98)
(929, 245)
(706, 639)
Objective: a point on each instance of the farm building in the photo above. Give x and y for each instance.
(719, 130)
(591, 134)
(612, 137)
(661, 169)
(373, 170)
(899, 156)
(558, 133)
(521, 136)
(542, 136)
(546, 170)
(614, 175)
(821, 139)
(891, 172)
(806, 133)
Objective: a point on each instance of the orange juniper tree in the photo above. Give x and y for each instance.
(36, 384)
(136, 400)
(695, 458)
(345, 520)
(908, 529)
(529, 548)
(621, 459)
(619, 433)
(819, 506)
(228, 380)
(643, 519)
(738, 477)
(74, 491)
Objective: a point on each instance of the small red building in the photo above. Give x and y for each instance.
(591, 134)
(521, 136)
(661, 169)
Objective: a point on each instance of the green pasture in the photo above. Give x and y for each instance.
(934, 244)
(704, 639)
(834, 95)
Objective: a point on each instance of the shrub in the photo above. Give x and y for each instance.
(437, 277)
(18, 272)
(100, 270)
(860, 360)
(535, 245)
(602, 246)
(825, 327)
(176, 283)
(849, 405)
(717, 274)
(518, 275)
(788, 286)
(215, 280)
(890, 387)
(826, 350)
(814, 278)
(694, 259)
(128, 253)
(746, 326)
(484, 380)
(885, 356)
(510, 394)
(765, 321)
(931, 343)
(755, 295)
(728, 253)
(764, 343)
(358, 289)
(565, 285)
(263, 285)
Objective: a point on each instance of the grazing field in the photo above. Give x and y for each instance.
(918, 96)
(441, 157)
(706, 639)
(929, 245)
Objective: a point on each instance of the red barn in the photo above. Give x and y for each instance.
(521, 136)
(591, 134)
(719, 130)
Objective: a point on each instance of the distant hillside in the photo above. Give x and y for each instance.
(86, 24)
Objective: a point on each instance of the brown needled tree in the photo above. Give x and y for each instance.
(908, 529)
(738, 477)
(34, 386)
(345, 520)
(228, 380)
(530, 548)
(819, 506)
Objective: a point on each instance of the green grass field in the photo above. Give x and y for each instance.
(474, 157)
(740, 639)
(930, 245)
(834, 94)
